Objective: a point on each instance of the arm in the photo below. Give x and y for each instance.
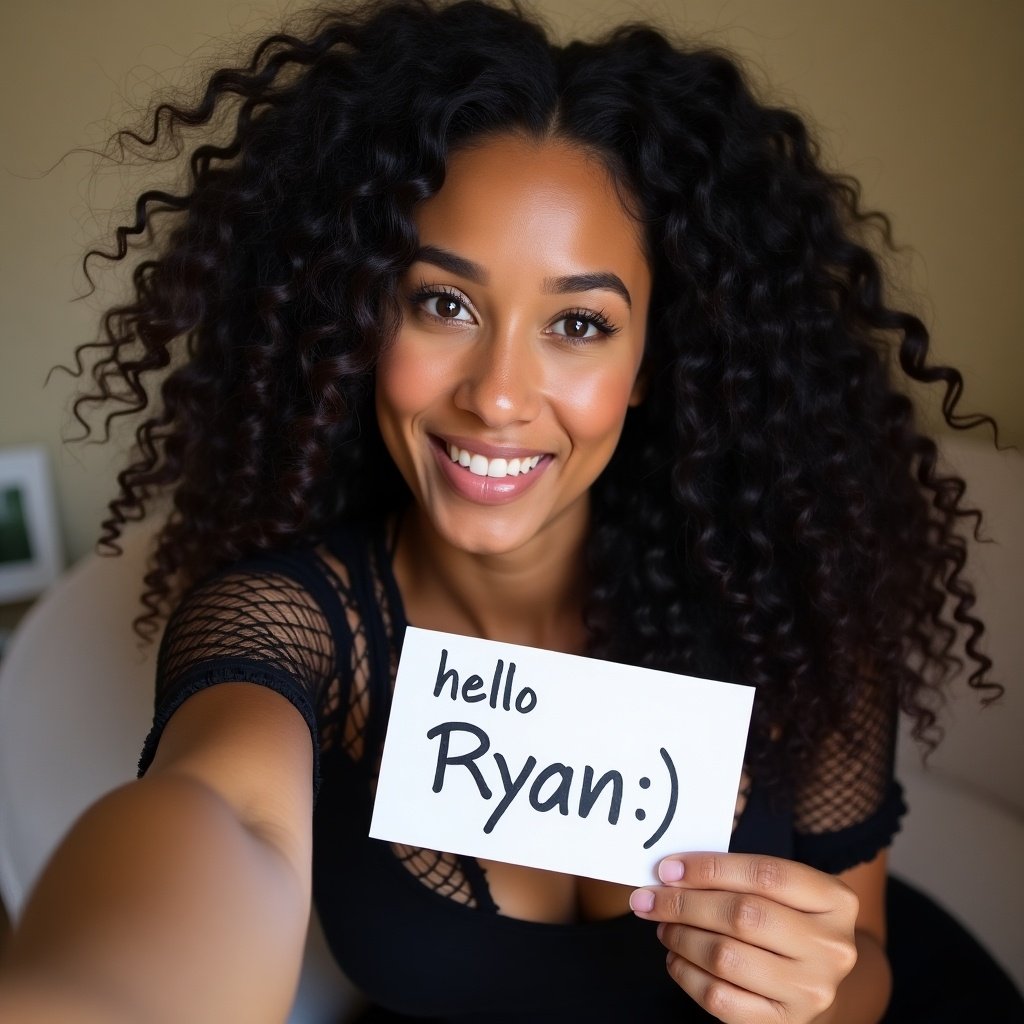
(183, 896)
(760, 939)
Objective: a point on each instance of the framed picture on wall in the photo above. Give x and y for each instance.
(30, 551)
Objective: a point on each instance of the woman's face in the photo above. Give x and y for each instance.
(523, 317)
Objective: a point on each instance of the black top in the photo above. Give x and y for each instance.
(416, 929)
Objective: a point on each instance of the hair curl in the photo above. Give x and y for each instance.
(771, 498)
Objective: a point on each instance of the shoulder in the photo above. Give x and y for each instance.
(313, 624)
(285, 600)
(273, 608)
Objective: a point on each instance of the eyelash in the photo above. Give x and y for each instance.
(597, 318)
(589, 316)
(426, 291)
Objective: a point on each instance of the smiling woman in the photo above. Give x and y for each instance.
(577, 347)
(520, 345)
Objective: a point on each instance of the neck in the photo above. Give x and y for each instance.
(530, 596)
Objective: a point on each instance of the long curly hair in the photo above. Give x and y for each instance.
(772, 513)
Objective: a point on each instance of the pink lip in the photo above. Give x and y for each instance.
(490, 451)
(487, 490)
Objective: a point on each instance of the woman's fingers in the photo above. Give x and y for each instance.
(750, 919)
(758, 971)
(735, 1005)
(781, 881)
(730, 1003)
(753, 920)
(778, 905)
(753, 938)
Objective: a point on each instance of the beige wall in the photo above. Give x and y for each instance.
(919, 98)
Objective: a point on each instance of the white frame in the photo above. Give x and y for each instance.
(27, 468)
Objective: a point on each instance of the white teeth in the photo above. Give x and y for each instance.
(480, 465)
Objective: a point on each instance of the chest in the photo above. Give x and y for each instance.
(551, 897)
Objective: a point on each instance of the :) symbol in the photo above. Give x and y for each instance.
(673, 799)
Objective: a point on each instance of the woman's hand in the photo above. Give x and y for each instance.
(753, 939)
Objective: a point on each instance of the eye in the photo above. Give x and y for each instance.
(583, 325)
(577, 327)
(442, 303)
(448, 308)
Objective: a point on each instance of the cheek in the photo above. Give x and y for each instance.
(398, 397)
(406, 383)
(594, 406)
(394, 387)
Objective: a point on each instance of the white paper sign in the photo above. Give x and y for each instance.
(572, 764)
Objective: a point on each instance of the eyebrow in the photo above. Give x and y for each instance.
(603, 280)
(455, 264)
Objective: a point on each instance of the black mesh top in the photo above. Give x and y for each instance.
(416, 929)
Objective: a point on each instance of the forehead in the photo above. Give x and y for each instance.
(546, 206)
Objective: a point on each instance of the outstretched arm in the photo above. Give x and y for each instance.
(185, 895)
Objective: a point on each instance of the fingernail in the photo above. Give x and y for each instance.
(670, 870)
(641, 901)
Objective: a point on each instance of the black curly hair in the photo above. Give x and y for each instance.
(771, 513)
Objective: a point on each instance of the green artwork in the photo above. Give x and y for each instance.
(14, 542)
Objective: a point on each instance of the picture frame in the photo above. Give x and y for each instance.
(31, 557)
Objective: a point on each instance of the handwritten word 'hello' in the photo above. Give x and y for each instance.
(472, 689)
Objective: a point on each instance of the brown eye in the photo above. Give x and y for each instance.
(443, 305)
(447, 307)
(578, 328)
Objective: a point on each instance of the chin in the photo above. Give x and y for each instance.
(492, 538)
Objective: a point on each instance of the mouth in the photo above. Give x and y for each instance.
(488, 474)
(497, 467)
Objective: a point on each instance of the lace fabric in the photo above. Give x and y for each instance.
(852, 776)
(324, 627)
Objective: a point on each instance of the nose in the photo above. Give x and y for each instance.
(501, 380)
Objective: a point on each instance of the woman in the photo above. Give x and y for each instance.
(573, 347)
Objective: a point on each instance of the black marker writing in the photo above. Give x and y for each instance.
(466, 760)
(673, 800)
(591, 792)
(552, 787)
(472, 689)
(512, 787)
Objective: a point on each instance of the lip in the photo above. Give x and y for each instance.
(486, 490)
(478, 447)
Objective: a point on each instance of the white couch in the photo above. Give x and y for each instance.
(963, 840)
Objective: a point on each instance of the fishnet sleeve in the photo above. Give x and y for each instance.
(246, 625)
(850, 808)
